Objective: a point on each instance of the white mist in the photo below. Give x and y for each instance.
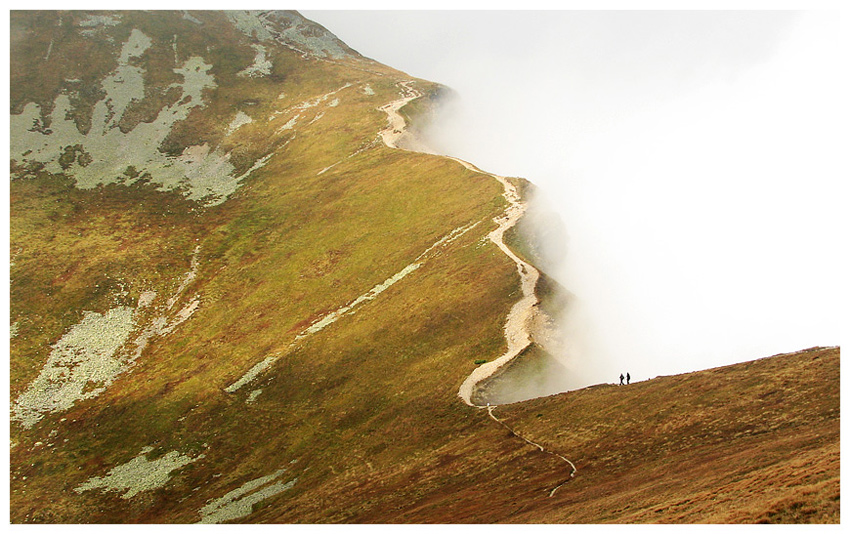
(693, 157)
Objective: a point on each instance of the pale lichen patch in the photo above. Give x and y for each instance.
(253, 396)
(91, 21)
(250, 24)
(188, 16)
(241, 119)
(161, 325)
(135, 46)
(206, 174)
(260, 163)
(105, 153)
(313, 102)
(187, 278)
(326, 169)
(262, 66)
(91, 355)
(186, 312)
(289, 29)
(252, 373)
(367, 90)
(139, 474)
(146, 298)
(82, 365)
(289, 125)
(240, 502)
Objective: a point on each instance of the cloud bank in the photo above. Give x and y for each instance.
(693, 158)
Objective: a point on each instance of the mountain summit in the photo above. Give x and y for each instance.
(290, 29)
(237, 297)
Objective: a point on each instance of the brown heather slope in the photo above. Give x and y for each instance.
(359, 422)
(756, 442)
(751, 442)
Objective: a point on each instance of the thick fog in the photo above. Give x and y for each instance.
(693, 158)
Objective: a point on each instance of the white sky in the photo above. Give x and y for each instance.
(693, 156)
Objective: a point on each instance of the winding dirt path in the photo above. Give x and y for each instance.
(521, 316)
(395, 130)
(513, 433)
(523, 313)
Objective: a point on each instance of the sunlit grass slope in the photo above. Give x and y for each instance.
(295, 241)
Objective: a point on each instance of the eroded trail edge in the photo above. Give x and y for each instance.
(540, 447)
(521, 317)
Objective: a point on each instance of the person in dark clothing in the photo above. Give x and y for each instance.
(621, 379)
(628, 378)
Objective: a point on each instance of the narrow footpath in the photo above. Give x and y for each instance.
(522, 314)
(513, 433)
(518, 324)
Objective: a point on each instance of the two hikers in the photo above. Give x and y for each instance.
(627, 377)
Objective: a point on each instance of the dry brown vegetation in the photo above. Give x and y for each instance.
(752, 442)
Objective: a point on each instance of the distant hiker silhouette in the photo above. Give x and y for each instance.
(621, 379)
(628, 378)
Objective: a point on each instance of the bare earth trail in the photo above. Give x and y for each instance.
(514, 433)
(518, 325)
(520, 318)
(522, 315)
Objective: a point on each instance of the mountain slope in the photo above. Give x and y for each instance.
(751, 442)
(138, 300)
(231, 300)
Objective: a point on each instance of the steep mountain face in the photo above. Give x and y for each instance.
(221, 272)
(125, 98)
(232, 299)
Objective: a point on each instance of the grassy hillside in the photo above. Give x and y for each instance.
(231, 302)
(201, 291)
(752, 442)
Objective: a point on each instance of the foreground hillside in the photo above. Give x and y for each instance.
(752, 442)
(233, 300)
(755, 442)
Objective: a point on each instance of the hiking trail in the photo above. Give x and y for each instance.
(513, 433)
(522, 314)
